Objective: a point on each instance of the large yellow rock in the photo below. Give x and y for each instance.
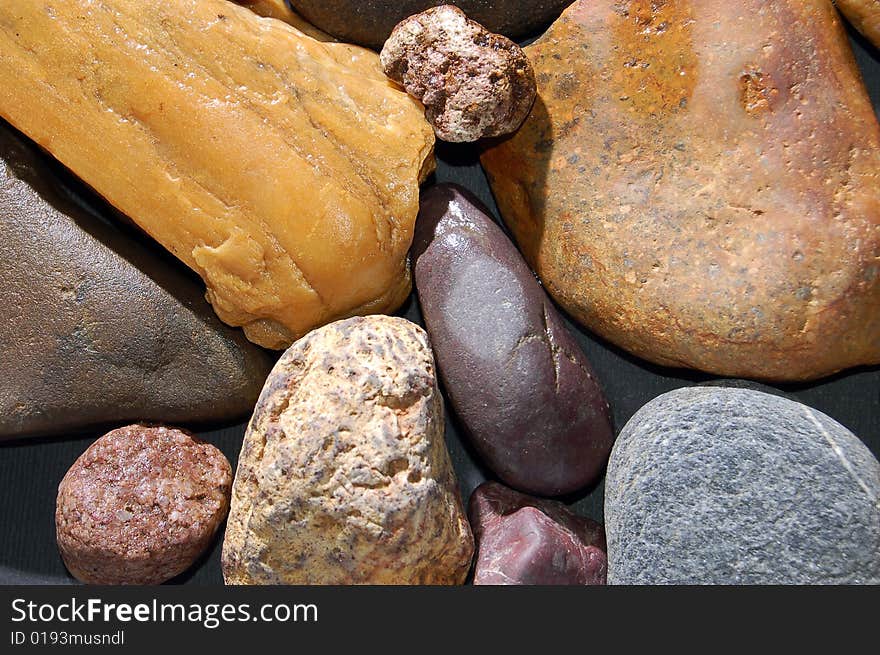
(283, 170)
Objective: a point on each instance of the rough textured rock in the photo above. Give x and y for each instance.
(731, 486)
(697, 182)
(473, 83)
(98, 329)
(140, 506)
(515, 376)
(344, 476)
(864, 15)
(369, 22)
(528, 541)
(283, 170)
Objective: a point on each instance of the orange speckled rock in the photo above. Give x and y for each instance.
(283, 170)
(698, 183)
(865, 15)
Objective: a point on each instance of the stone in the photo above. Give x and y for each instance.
(283, 170)
(697, 183)
(473, 83)
(712, 485)
(864, 15)
(98, 328)
(529, 541)
(515, 376)
(344, 477)
(369, 22)
(280, 10)
(140, 506)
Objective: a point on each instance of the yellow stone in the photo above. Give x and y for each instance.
(283, 170)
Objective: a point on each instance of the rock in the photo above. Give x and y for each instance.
(284, 171)
(528, 541)
(864, 15)
(140, 506)
(369, 22)
(731, 486)
(515, 376)
(697, 184)
(344, 476)
(473, 83)
(280, 10)
(96, 327)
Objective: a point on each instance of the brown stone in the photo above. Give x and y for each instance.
(344, 476)
(140, 506)
(864, 15)
(697, 182)
(98, 328)
(282, 170)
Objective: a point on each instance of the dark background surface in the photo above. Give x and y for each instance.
(31, 470)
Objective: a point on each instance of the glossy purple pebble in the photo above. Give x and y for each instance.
(515, 377)
(528, 541)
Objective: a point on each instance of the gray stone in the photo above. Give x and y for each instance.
(97, 328)
(369, 22)
(733, 486)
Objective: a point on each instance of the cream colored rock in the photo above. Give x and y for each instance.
(344, 476)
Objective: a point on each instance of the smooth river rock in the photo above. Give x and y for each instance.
(523, 540)
(344, 476)
(369, 22)
(713, 485)
(97, 328)
(697, 183)
(515, 376)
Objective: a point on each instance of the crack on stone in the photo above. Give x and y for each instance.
(838, 451)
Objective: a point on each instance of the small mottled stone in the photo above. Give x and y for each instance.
(515, 376)
(529, 541)
(369, 22)
(473, 83)
(344, 476)
(97, 327)
(712, 485)
(140, 506)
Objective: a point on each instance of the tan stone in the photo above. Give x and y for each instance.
(698, 183)
(283, 170)
(344, 476)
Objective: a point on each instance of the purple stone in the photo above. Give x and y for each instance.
(529, 541)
